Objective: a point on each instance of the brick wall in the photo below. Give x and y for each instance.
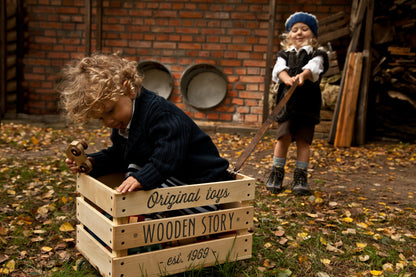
(230, 34)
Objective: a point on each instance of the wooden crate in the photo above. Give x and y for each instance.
(105, 233)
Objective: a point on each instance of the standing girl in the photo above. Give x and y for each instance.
(299, 60)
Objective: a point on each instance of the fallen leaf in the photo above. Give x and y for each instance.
(8, 268)
(361, 245)
(331, 248)
(46, 249)
(388, 267)
(66, 227)
(279, 233)
(326, 261)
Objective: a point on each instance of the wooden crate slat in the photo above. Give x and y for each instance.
(94, 252)
(96, 192)
(181, 227)
(100, 225)
(157, 200)
(182, 258)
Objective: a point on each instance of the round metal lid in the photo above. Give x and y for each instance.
(203, 86)
(157, 78)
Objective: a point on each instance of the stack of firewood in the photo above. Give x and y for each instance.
(394, 72)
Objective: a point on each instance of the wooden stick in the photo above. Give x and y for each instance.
(270, 119)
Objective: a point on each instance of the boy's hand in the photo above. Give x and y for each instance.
(72, 166)
(129, 185)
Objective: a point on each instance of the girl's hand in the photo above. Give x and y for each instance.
(306, 74)
(72, 166)
(129, 185)
(286, 79)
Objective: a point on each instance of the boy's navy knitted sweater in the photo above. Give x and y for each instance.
(165, 142)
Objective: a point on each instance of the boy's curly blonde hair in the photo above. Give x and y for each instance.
(286, 42)
(88, 84)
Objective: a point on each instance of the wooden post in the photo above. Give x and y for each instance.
(3, 58)
(269, 60)
(99, 33)
(20, 54)
(88, 15)
(363, 97)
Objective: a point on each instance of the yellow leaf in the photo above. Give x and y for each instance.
(46, 249)
(322, 240)
(362, 225)
(64, 200)
(376, 272)
(267, 245)
(361, 245)
(377, 236)
(326, 261)
(304, 236)
(348, 219)
(10, 267)
(66, 227)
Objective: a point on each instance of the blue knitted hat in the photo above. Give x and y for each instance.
(307, 18)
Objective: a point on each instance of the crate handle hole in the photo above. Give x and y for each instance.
(122, 243)
(124, 198)
(123, 231)
(123, 210)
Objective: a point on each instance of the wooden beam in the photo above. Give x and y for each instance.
(99, 33)
(269, 59)
(20, 14)
(3, 58)
(88, 15)
(361, 122)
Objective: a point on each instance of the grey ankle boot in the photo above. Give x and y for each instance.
(300, 182)
(275, 182)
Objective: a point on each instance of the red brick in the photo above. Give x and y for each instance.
(190, 14)
(251, 95)
(226, 117)
(193, 46)
(213, 116)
